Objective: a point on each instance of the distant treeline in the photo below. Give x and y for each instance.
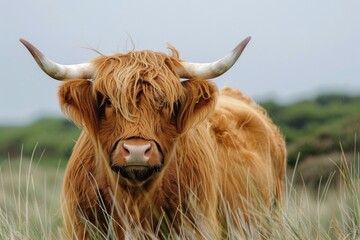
(324, 125)
(312, 127)
(48, 138)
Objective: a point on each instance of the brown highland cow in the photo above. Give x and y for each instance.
(162, 148)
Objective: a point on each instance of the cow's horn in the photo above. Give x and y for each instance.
(58, 71)
(213, 69)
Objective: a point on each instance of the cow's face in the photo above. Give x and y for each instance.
(136, 108)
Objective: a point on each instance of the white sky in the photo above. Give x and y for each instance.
(299, 48)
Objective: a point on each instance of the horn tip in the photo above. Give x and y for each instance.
(26, 43)
(33, 50)
(37, 55)
(245, 42)
(241, 46)
(22, 40)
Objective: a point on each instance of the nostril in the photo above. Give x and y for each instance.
(147, 151)
(125, 149)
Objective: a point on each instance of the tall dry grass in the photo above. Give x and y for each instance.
(30, 208)
(29, 199)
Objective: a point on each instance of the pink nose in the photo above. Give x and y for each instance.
(136, 155)
(136, 152)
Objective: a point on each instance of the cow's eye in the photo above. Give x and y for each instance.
(108, 102)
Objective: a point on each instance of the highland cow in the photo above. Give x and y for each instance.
(161, 145)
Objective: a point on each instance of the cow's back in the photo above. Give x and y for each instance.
(251, 152)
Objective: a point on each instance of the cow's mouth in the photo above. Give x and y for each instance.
(138, 173)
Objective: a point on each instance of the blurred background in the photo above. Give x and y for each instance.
(302, 64)
(299, 48)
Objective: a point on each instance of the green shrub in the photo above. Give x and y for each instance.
(53, 138)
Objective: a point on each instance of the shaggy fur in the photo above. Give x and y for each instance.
(219, 148)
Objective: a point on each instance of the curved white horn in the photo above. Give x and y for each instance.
(214, 69)
(58, 71)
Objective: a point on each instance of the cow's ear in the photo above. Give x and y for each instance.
(198, 103)
(77, 102)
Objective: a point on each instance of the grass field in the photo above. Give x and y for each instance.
(29, 200)
(30, 207)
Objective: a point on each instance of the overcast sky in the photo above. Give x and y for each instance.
(298, 48)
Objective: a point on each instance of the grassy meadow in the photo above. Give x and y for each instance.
(29, 199)
(322, 193)
(29, 206)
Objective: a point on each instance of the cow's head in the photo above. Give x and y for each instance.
(134, 106)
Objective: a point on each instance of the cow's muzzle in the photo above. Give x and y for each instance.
(136, 159)
(136, 174)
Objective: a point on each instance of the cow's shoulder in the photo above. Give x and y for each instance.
(235, 111)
